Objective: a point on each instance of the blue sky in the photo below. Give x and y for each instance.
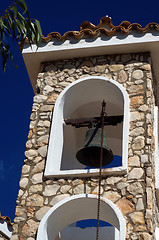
(16, 93)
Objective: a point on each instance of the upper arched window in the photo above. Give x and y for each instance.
(80, 99)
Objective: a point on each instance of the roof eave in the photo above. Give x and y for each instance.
(103, 45)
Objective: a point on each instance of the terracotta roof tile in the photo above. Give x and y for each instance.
(105, 27)
(7, 219)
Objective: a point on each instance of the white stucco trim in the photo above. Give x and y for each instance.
(157, 233)
(5, 229)
(156, 153)
(79, 207)
(55, 147)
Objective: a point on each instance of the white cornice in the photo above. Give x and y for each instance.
(103, 45)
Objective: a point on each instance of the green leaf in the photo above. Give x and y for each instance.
(38, 26)
(6, 26)
(38, 34)
(32, 37)
(28, 15)
(10, 56)
(1, 34)
(21, 27)
(1, 29)
(9, 21)
(19, 32)
(15, 10)
(11, 15)
(22, 5)
(20, 17)
(5, 57)
(14, 31)
(31, 31)
(30, 25)
(15, 23)
(1, 22)
(29, 35)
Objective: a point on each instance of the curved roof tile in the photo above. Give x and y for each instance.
(105, 27)
(7, 219)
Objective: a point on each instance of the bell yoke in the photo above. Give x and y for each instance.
(95, 139)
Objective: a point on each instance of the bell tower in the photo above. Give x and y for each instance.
(91, 167)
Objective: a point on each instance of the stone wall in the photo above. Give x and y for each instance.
(134, 192)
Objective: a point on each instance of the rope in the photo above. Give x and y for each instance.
(100, 169)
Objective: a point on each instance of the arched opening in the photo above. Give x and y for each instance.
(86, 229)
(77, 208)
(156, 134)
(83, 98)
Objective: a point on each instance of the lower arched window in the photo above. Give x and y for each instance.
(86, 229)
(60, 219)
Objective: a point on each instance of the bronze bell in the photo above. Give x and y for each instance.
(89, 155)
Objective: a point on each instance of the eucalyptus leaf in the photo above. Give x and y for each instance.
(20, 17)
(1, 22)
(38, 27)
(6, 26)
(15, 10)
(10, 56)
(16, 24)
(14, 31)
(9, 21)
(21, 27)
(20, 5)
(12, 15)
(23, 4)
(1, 34)
(28, 15)
(5, 57)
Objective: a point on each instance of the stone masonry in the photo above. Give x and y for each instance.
(133, 193)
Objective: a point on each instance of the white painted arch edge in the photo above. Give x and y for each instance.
(43, 229)
(52, 168)
(156, 153)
